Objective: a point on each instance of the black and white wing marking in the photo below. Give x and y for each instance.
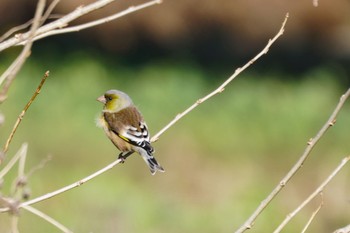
(137, 136)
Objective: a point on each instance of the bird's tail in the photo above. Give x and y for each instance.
(152, 163)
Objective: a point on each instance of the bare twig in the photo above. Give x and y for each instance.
(313, 214)
(60, 23)
(99, 21)
(39, 166)
(28, 23)
(48, 219)
(13, 69)
(313, 195)
(66, 188)
(49, 10)
(14, 224)
(7, 168)
(310, 145)
(21, 179)
(108, 167)
(343, 230)
(16, 29)
(20, 117)
(221, 88)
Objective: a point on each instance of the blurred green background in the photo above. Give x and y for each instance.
(222, 159)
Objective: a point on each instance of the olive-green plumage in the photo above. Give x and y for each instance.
(125, 127)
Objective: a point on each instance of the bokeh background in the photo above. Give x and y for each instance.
(224, 157)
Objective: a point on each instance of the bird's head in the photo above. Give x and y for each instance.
(115, 100)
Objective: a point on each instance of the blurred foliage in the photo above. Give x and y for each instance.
(214, 33)
(221, 160)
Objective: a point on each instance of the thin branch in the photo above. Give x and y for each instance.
(59, 23)
(345, 229)
(66, 188)
(313, 195)
(310, 145)
(108, 167)
(20, 117)
(39, 166)
(16, 29)
(47, 218)
(13, 69)
(14, 224)
(313, 214)
(97, 22)
(49, 10)
(11, 163)
(47, 15)
(221, 88)
(21, 179)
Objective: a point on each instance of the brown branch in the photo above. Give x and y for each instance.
(221, 88)
(310, 145)
(345, 229)
(97, 22)
(11, 72)
(47, 15)
(13, 160)
(71, 186)
(60, 23)
(47, 218)
(313, 214)
(313, 195)
(20, 117)
(110, 166)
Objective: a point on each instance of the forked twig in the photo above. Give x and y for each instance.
(97, 22)
(17, 64)
(29, 22)
(20, 117)
(221, 88)
(47, 218)
(313, 214)
(110, 166)
(66, 188)
(345, 229)
(13, 160)
(313, 195)
(310, 145)
(60, 23)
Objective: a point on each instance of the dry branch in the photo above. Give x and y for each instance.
(97, 22)
(20, 117)
(343, 230)
(221, 88)
(64, 21)
(47, 218)
(110, 166)
(313, 195)
(313, 214)
(17, 64)
(310, 145)
(14, 159)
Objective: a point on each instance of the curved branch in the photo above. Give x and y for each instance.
(310, 145)
(221, 88)
(60, 23)
(313, 195)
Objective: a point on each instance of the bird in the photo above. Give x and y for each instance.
(124, 125)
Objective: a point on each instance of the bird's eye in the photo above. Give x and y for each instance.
(108, 98)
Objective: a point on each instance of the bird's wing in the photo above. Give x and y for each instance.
(134, 132)
(137, 136)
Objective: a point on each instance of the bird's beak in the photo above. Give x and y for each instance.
(101, 99)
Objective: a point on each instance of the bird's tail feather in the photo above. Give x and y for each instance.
(152, 163)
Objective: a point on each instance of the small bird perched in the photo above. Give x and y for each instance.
(125, 127)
